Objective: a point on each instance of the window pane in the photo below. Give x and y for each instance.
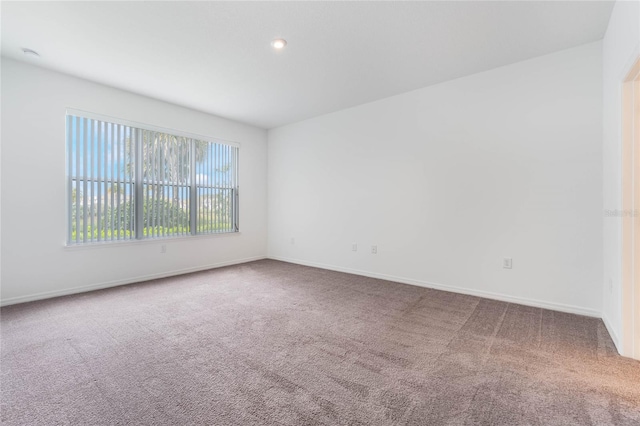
(216, 183)
(100, 200)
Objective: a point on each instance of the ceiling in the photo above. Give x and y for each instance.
(216, 56)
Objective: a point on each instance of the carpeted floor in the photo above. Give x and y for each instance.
(271, 343)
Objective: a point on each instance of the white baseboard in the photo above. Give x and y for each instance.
(612, 333)
(472, 292)
(437, 286)
(115, 283)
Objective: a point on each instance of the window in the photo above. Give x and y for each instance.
(132, 182)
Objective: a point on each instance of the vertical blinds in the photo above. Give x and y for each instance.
(128, 183)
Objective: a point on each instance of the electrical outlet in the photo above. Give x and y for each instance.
(507, 263)
(163, 248)
(354, 247)
(374, 249)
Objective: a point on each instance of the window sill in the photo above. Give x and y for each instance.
(151, 241)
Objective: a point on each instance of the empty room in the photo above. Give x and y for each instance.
(320, 213)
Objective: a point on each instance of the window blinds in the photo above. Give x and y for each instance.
(127, 183)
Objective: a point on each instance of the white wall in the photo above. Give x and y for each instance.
(621, 45)
(449, 179)
(35, 262)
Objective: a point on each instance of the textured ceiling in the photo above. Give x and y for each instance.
(216, 56)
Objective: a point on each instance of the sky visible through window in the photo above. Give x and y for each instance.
(113, 159)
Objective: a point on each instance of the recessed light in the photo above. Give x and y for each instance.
(30, 52)
(279, 43)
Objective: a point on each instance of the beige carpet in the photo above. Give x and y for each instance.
(271, 343)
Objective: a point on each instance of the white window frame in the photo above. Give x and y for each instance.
(138, 183)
